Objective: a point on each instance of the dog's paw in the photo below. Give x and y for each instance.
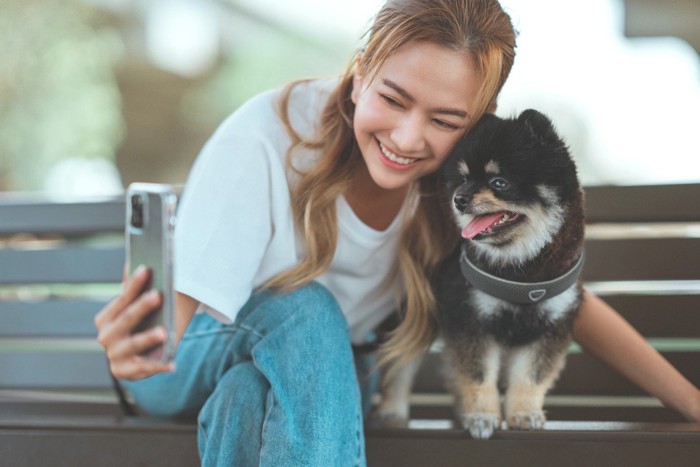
(387, 420)
(527, 420)
(481, 425)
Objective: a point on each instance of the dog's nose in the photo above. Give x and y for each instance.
(461, 201)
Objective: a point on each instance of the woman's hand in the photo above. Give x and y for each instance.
(693, 412)
(116, 322)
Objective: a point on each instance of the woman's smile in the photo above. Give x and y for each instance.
(393, 160)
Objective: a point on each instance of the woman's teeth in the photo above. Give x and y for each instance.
(394, 158)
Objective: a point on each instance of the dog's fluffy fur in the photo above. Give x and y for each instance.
(519, 167)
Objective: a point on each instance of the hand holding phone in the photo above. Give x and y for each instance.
(150, 223)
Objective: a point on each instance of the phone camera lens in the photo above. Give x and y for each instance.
(137, 211)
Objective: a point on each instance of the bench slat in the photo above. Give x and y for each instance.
(563, 412)
(54, 370)
(125, 442)
(642, 259)
(583, 372)
(651, 315)
(663, 259)
(565, 443)
(69, 265)
(583, 375)
(660, 315)
(646, 203)
(42, 217)
(97, 442)
(55, 318)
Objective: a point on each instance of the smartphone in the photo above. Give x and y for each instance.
(150, 224)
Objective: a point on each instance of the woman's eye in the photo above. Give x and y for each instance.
(391, 101)
(499, 184)
(446, 125)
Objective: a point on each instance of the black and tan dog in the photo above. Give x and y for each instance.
(509, 294)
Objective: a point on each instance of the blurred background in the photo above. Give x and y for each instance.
(96, 94)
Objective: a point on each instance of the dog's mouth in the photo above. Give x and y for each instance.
(489, 224)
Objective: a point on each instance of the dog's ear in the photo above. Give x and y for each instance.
(539, 125)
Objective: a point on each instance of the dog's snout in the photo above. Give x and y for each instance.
(461, 201)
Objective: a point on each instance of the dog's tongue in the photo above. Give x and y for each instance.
(479, 224)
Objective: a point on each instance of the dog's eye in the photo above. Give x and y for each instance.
(499, 184)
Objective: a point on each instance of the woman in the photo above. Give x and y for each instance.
(267, 363)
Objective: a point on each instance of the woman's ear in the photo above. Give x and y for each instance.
(356, 86)
(356, 81)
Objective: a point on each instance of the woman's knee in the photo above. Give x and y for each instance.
(311, 308)
(319, 303)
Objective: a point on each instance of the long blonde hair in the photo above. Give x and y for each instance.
(477, 27)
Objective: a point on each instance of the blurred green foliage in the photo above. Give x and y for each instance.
(58, 90)
(65, 63)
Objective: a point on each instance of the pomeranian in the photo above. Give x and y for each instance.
(508, 295)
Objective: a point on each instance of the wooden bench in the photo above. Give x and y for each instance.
(60, 262)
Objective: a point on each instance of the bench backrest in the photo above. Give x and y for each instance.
(643, 256)
(59, 264)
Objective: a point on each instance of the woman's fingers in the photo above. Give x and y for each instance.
(116, 323)
(138, 368)
(125, 276)
(132, 288)
(122, 324)
(136, 344)
(126, 362)
(137, 311)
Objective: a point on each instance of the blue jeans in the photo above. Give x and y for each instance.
(278, 387)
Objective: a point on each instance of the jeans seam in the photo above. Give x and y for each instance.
(205, 436)
(358, 458)
(268, 411)
(231, 329)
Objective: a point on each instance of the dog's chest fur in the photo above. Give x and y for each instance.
(466, 311)
(513, 324)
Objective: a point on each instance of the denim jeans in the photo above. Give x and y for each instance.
(278, 387)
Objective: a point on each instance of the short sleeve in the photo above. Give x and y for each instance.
(224, 221)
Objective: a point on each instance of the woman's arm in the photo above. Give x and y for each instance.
(601, 331)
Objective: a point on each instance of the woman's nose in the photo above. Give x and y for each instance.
(408, 137)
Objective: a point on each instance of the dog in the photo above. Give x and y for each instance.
(508, 295)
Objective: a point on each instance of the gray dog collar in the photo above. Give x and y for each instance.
(518, 292)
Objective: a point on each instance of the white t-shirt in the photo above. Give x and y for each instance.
(235, 227)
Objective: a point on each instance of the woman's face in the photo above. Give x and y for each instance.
(408, 116)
